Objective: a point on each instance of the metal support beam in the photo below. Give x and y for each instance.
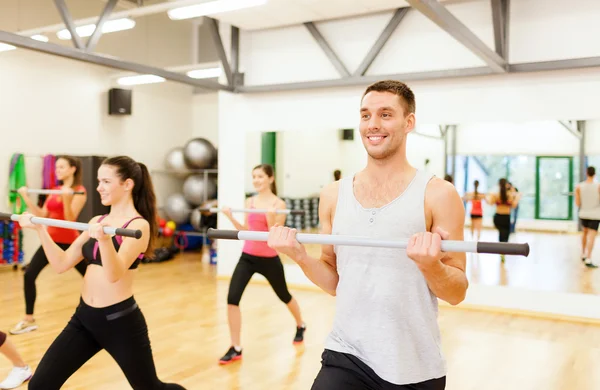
(443, 130)
(235, 49)
(381, 41)
(333, 58)
(97, 59)
(481, 165)
(571, 129)
(453, 130)
(68, 20)
(365, 80)
(574, 63)
(93, 41)
(213, 26)
(446, 151)
(582, 141)
(439, 15)
(238, 78)
(500, 17)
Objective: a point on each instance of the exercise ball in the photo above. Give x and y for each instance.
(193, 189)
(196, 219)
(199, 153)
(177, 208)
(175, 162)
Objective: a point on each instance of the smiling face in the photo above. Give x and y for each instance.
(63, 169)
(110, 186)
(384, 124)
(261, 181)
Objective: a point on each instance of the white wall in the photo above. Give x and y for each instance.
(525, 138)
(62, 107)
(205, 117)
(254, 157)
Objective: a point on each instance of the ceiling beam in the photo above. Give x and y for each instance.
(570, 128)
(381, 41)
(93, 41)
(102, 60)
(365, 80)
(439, 15)
(68, 20)
(333, 58)
(501, 20)
(213, 26)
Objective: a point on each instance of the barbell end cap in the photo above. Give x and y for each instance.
(503, 248)
(138, 234)
(222, 234)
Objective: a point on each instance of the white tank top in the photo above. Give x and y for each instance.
(590, 200)
(386, 315)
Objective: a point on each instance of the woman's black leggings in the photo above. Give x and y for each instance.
(120, 329)
(502, 223)
(269, 267)
(38, 262)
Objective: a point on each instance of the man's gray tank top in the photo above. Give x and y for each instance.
(590, 200)
(386, 315)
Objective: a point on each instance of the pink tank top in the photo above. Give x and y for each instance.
(258, 222)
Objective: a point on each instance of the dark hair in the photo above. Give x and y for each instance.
(337, 174)
(143, 195)
(74, 162)
(448, 177)
(476, 184)
(591, 171)
(270, 172)
(503, 192)
(406, 95)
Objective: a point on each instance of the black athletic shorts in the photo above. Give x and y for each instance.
(342, 371)
(590, 223)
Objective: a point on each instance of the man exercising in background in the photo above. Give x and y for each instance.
(385, 333)
(587, 199)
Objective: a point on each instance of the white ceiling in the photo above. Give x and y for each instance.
(279, 13)
(34, 14)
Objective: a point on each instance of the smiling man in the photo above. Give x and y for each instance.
(385, 333)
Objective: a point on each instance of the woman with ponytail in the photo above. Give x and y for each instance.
(107, 317)
(258, 257)
(65, 206)
(505, 201)
(475, 198)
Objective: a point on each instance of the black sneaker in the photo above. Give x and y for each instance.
(299, 334)
(231, 356)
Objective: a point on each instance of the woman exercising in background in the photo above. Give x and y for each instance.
(21, 372)
(65, 206)
(475, 198)
(505, 201)
(258, 257)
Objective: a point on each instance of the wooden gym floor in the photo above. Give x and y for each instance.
(185, 307)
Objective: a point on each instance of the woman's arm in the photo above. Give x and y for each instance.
(59, 259)
(31, 205)
(73, 204)
(238, 226)
(273, 218)
(116, 263)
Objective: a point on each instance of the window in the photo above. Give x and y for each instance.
(554, 184)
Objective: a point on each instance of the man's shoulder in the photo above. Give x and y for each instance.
(439, 188)
(331, 189)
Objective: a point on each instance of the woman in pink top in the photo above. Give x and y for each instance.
(258, 257)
